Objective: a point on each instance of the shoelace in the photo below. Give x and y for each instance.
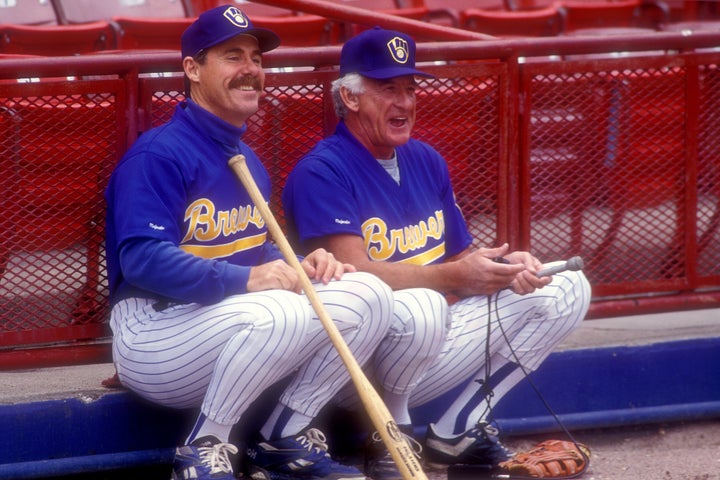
(314, 439)
(218, 457)
(414, 445)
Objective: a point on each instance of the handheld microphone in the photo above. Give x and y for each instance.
(573, 264)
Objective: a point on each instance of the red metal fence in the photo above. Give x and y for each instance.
(561, 146)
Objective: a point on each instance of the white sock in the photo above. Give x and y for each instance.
(398, 407)
(204, 427)
(284, 422)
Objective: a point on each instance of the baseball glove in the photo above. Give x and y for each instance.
(550, 459)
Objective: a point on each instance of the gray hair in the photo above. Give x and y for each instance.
(354, 83)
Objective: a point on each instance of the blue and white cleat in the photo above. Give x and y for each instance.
(206, 459)
(303, 457)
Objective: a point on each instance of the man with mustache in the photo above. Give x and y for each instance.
(206, 314)
(384, 202)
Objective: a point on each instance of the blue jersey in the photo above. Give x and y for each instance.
(339, 188)
(180, 225)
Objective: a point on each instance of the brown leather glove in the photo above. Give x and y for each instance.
(550, 459)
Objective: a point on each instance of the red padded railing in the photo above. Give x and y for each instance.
(612, 157)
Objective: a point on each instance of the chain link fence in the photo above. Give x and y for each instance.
(609, 157)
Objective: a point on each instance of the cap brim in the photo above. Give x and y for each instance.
(386, 73)
(267, 39)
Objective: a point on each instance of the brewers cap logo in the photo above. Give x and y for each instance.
(399, 49)
(236, 17)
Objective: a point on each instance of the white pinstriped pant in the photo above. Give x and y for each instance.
(221, 357)
(416, 336)
(529, 328)
(533, 326)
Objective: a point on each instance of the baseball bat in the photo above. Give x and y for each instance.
(399, 448)
(573, 264)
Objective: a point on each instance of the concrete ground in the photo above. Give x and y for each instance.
(673, 451)
(677, 451)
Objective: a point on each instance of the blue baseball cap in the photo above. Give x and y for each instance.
(221, 23)
(379, 54)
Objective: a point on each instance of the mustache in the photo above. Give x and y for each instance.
(246, 81)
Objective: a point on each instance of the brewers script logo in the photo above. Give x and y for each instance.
(413, 242)
(399, 49)
(236, 17)
(213, 233)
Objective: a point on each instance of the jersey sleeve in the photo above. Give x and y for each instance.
(163, 269)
